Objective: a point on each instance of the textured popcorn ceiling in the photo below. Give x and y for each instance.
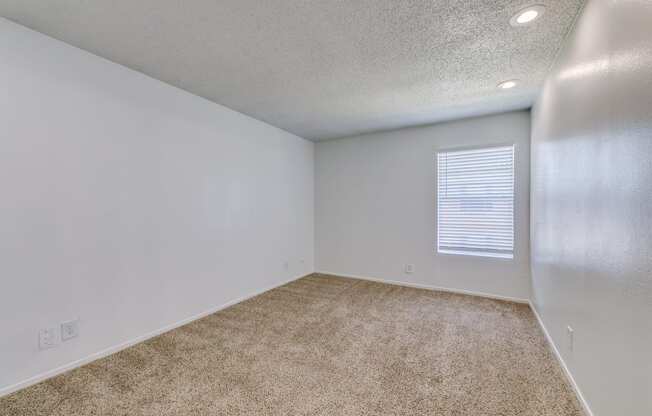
(321, 68)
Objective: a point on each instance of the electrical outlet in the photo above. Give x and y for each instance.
(47, 338)
(571, 336)
(69, 330)
(409, 268)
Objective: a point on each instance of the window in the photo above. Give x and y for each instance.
(475, 202)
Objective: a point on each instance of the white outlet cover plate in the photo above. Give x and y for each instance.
(69, 330)
(47, 338)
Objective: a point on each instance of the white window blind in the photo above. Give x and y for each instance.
(475, 202)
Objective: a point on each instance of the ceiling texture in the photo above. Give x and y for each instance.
(322, 68)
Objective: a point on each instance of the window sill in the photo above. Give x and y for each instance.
(478, 254)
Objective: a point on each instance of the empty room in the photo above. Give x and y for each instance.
(326, 208)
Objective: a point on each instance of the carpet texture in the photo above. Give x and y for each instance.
(324, 345)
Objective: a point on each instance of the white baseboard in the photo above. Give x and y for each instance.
(112, 350)
(428, 287)
(562, 363)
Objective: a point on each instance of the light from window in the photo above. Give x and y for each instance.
(475, 202)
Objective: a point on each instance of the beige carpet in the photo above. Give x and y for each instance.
(325, 346)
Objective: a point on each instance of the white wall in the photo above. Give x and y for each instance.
(376, 198)
(130, 204)
(591, 206)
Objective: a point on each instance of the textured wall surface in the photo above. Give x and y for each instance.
(592, 206)
(321, 69)
(375, 206)
(130, 204)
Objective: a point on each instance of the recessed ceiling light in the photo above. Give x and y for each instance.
(505, 85)
(527, 15)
